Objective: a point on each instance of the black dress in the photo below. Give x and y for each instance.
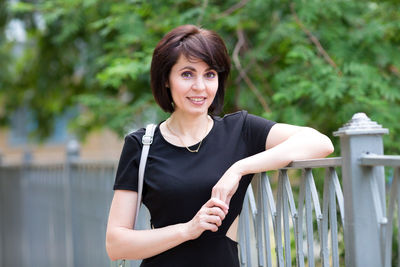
(177, 183)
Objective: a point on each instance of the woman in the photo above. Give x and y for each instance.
(199, 166)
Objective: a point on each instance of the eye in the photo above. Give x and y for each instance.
(187, 74)
(211, 75)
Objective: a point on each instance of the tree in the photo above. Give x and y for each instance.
(303, 62)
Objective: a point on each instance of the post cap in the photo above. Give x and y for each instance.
(27, 156)
(360, 124)
(73, 149)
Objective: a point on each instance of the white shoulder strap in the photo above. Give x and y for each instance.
(147, 140)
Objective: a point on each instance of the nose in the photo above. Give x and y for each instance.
(199, 84)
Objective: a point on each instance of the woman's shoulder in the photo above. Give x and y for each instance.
(135, 136)
(245, 120)
(232, 117)
(231, 122)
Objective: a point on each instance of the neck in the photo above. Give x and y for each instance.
(193, 126)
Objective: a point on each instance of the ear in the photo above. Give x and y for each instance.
(167, 84)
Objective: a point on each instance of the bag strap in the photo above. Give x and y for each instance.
(147, 140)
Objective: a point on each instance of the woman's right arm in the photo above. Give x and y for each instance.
(122, 242)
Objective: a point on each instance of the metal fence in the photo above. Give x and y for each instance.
(56, 215)
(292, 228)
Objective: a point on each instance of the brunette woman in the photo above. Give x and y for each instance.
(199, 165)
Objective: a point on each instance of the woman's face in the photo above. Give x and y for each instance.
(193, 86)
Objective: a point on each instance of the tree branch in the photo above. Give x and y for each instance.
(314, 40)
(394, 70)
(242, 73)
(203, 9)
(233, 8)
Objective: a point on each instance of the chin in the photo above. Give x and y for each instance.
(197, 111)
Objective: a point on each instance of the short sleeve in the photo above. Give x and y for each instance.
(255, 132)
(127, 171)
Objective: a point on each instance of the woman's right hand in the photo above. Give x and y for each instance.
(209, 217)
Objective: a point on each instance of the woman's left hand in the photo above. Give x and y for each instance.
(227, 185)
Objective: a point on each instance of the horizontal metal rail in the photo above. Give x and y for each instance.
(74, 162)
(379, 160)
(298, 164)
(315, 163)
(32, 165)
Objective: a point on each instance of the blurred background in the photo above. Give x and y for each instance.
(78, 70)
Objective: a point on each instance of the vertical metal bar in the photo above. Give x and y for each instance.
(379, 206)
(389, 230)
(333, 219)
(316, 204)
(2, 186)
(292, 206)
(339, 195)
(309, 224)
(27, 210)
(68, 215)
(278, 223)
(397, 177)
(252, 201)
(315, 198)
(259, 222)
(270, 196)
(52, 219)
(264, 192)
(300, 251)
(286, 230)
(242, 240)
(253, 210)
(289, 193)
(325, 209)
(247, 229)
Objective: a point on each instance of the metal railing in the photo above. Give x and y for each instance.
(291, 223)
(56, 215)
(371, 162)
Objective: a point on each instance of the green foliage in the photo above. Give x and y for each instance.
(315, 62)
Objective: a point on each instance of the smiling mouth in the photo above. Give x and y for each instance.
(197, 100)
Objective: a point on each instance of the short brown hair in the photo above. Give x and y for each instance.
(194, 43)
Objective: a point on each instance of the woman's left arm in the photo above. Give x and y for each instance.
(285, 143)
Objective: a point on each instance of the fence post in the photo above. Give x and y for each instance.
(73, 151)
(2, 263)
(27, 156)
(362, 227)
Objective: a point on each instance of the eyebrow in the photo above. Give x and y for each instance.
(193, 69)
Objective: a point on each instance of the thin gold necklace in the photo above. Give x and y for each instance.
(190, 150)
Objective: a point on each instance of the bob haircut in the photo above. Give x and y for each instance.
(194, 43)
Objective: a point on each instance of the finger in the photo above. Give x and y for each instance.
(209, 223)
(217, 202)
(223, 208)
(214, 220)
(216, 211)
(210, 226)
(220, 193)
(223, 198)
